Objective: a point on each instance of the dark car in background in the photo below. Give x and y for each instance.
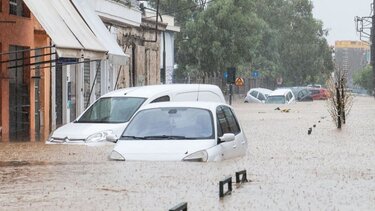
(303, 95)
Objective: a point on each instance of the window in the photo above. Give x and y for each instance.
(232, 122)
(254, 94)
(112, 110)
(227, 123)
(1, 5)
(261, 97)
(161, 99)
(19, 8)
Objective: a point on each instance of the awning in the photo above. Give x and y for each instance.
(115, 52)
(70, 34)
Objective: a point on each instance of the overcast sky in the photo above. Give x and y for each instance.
(338, 17)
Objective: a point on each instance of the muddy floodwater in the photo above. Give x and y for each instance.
(287, 168)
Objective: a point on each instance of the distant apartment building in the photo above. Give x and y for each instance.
(351, 56)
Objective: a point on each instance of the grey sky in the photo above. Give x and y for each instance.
(338, 17)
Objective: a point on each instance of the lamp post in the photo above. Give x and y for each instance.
(373, 47)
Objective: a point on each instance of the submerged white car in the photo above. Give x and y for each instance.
(257, 95)
(111, 112)
(281, 96)
(175, 131)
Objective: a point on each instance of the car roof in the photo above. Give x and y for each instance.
(282, 91)
(152, 90)
(193, 104)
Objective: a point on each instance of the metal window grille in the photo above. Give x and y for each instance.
(19, 8)
(98, 80)
(86, 81)
(13, 7)
(19, 99)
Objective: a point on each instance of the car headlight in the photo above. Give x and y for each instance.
(200, 156)
(97, 137)
(116, 156)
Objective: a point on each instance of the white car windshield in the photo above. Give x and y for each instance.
(275, 100)
(171, 123)
(112, 110)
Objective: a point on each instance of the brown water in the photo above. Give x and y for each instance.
(288, 169)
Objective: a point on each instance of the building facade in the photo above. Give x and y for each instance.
(24, 78)
(60, 56)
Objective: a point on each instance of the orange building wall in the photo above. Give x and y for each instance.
(21, 33)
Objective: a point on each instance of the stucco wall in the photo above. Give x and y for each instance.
(20, 32)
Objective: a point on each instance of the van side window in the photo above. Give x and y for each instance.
(165, 98)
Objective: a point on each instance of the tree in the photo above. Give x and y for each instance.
(276, 37)
(228, 33)
(305, 54)
(364, 78)
(340, 101)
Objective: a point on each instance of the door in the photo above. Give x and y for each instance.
(19, 95)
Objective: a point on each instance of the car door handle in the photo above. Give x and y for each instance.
(234, 146)
(243, 142)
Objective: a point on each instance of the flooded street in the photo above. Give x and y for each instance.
(287, 168)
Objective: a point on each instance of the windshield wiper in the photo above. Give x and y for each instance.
(171, 137)
(133, 137)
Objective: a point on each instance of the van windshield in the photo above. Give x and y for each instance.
(112, 110)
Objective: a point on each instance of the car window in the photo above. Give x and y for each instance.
(301, 94)
(171, 124)
(287, 97)
(111, 110)
(290, 96)
(165, 98)
(227, 122)
(261, 97)
(254, 93)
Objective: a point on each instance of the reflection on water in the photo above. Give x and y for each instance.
(25, 139)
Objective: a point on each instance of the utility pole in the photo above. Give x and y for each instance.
(373, 45)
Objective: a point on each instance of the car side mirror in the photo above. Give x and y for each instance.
(111, 138)
(227, 137)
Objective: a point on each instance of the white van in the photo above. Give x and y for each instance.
(111, 112)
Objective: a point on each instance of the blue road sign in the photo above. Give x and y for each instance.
(226, 74)
(255, 74)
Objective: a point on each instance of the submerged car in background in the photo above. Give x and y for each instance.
(257, 95)
(303, 94)
(281, 96)
(175, 131)
(319, 93)
(111, 112)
